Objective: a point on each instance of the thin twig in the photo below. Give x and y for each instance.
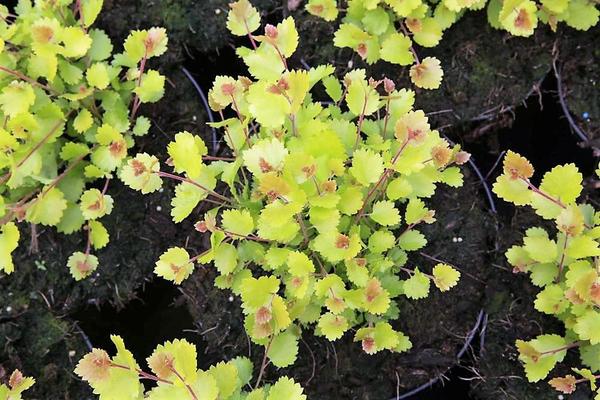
(194, 183)
(28, 79)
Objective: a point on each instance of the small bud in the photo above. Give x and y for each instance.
(462, 157)
(368, 345)
(362, 50)
(263, 315)
(388, 85)
(271, 31)
(283, 84)
(201, 227)
(373, 83)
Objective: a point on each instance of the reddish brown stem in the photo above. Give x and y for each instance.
(381, 181)
(136, 100)
(264, 363)
(213, 158)
(248, 237)
(194, 183)
(142, 374)
(105, 188)
(360, 121)
(35, 148)
(544, 195)
(88, 246)
(28, 79)
(303, 229)
(558, 349)
(387, 116)
(188, 387)
(562, 259)
(250, 35)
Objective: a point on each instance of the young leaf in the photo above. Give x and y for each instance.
(367, 167)
(384, 213)
(47, 208)
(152, 87)
(332, 326)
(140, 173)
(82, 265)
(445, 277)
(186, 153)
(174, 265)
(242, 19)
(95, 204)
(237, 222)
(427, 74)
(9, 239)
(417, 286)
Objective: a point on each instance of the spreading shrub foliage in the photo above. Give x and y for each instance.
(388, 29)
(176, 374)
(69, 109)
(325, 198)
(564, 265)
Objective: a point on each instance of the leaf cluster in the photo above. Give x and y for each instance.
(326, 198)
(68, 106)
(176, 374)
(389, 29)
(563, 264)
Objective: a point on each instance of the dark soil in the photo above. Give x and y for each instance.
(580, 70)
(47, 320)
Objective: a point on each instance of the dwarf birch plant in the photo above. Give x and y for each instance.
(325, 198)
(563, 264)
(176, 376)
(389, 29)
(69, 109)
